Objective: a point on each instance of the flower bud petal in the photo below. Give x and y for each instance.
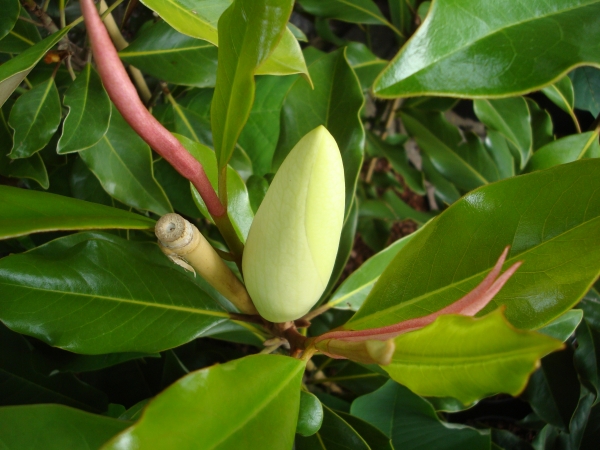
(294, 238)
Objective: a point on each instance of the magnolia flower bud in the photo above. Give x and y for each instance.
(294, 238)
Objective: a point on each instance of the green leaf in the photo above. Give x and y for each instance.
(510, 117)
(364, 63)
(564, 326)
(238, 208)
(10, 14)
(441, 141)
(84, 185)
(467, 358)
(163, 52)
(24, 211)
(445, 191)
(261, 132)
(257, 189)
(334, 103)
(402, 211)
(335, 434)
(371, 434)
(498, 148)
(402, 12)
(89, 110)
(565, 150)
(310, 416)
(176, 187)
(21, 383)
(493, 51)
(22, 35)
(352, 292)
(64, 287)
(122, 162)
(35, 118)
(550, 218)
(587, 357)
(55, 427)
(198, 19)
(249, 30)
(411, 422)
(586, 84)
(542, 129)
(354, 11)
(562, 95)
(267, 399)
(15, 70)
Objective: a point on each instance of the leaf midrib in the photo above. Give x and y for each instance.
(135, 54)
(439, 360)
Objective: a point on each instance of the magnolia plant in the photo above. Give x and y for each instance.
(217, 171)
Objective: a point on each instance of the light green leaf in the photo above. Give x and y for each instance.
(550, 218)
(468, 359)
(335, 103)
(55, 427)
(493, 51)
(267, 398)
(15, 70)
(24, 211)
(353, 291)
(144, 302)
(89, 110)
(565, 150)
(248, 33)
(411, 422)
(10, 14)
(165, 53)
(122, 162)
(35, 117)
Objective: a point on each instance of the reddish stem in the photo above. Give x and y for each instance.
(123, 94)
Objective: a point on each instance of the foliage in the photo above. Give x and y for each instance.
(469, 185)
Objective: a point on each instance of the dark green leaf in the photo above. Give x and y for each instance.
(542, 129)
(171, 56)
(10, 14)
(15, 70)
(64, 287)
(176, 187)
(493, 51)
(267, 398)
(402, 12)
(35, 118)
(89, 113)
(257, 189)
(334, 103)
(84, 185)
(364, 63)
(22, 36)
(552, 220)
(24, 211)
(586, 84)
(411, 422)
(249, 30)
(562, 95)
(564, 326)
(565, 150)
(445, 191)
(55, 427)
(587, 357)
(310, 416)
(335, 434)
(122, 162)
(498, 148)
(371, 434)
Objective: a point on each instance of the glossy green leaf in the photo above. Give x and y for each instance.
(84, 185)
(334, 103)
(238, 207)
(468, 359)
(266, 398)
(565, 150)
(445, 191)
(364, 63)
(55, 427)
(58, 291)
(510, 117)
(122, 162)
(542, 129)
(371, 434)
(466, 167)
(310, 416)
(24, 211)
(89, 110)
(34, 117)
(562, 95)
(165, 53)
(355, 11)
(199, 18)
(550, 218)
(249, 30)
(586, 84)
(411, 422)
(493, 51)
(498, 148)
(22, 35)
(261, 132)
(564, 326)
(334, 434)
(590, 304)
(10, 14)
(352, 292)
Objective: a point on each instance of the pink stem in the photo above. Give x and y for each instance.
(123, 94)
(469, 305)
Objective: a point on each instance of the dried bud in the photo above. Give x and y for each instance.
(294, 238)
